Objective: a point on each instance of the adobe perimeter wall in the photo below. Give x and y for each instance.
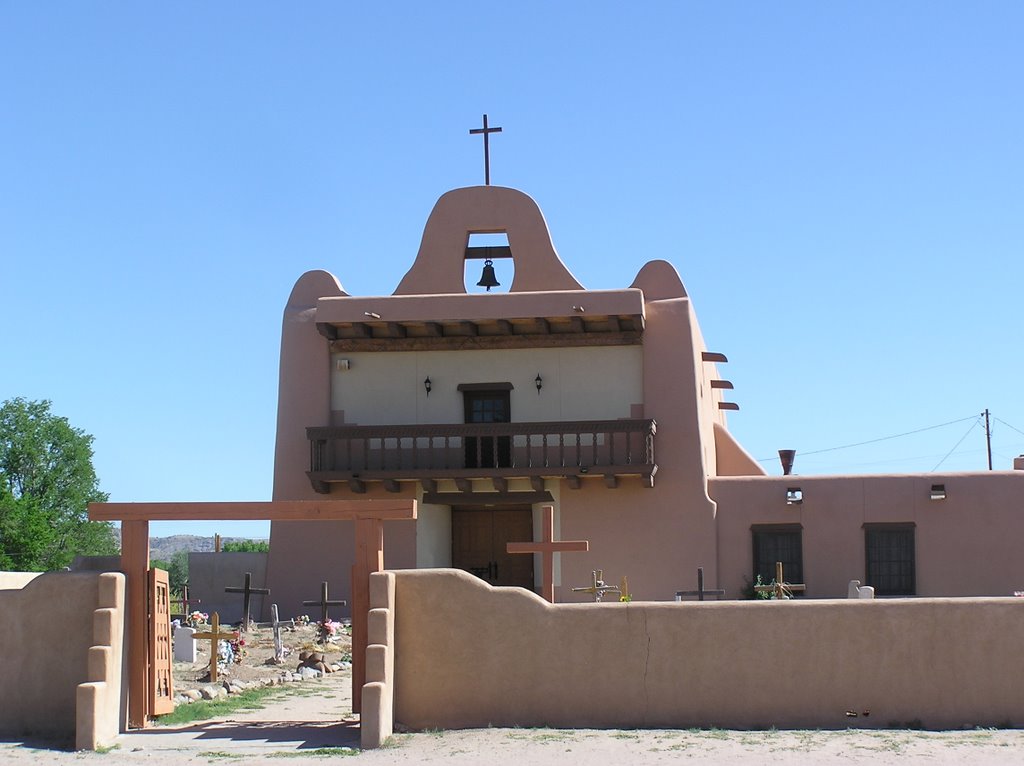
(62, 639)
(210, 573)
(469, 655)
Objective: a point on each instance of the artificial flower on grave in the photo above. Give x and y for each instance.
(238, 650)
(326, 631)
(196, 619)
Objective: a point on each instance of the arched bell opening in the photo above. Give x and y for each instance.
(490, 267)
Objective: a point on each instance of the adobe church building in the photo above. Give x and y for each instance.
(604, 404)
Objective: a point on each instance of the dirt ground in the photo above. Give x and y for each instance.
(258, 654)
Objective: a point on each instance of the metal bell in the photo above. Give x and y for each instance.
(487, 279)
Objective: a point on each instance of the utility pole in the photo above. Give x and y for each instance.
(988, 438)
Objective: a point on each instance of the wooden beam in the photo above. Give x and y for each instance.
(576, 325)
(391, 485)
(727, 384)
(329, 331)
(396, 330)
(429, 485)
(500, 484)
(277, 510)
(713, 356)
(358, 486)
(464, 342)
(543, 326)
(464, 485)
(487, 498)
(611, 480)
(504, 327)
(728, 406)
(433, 329)
(135, 565)
(369, 559)
(361, 330)
(574, 482)
(537, 483)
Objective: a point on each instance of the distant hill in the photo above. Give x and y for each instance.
(165, 547)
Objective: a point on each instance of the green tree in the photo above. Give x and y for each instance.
(177, 571)
(246, 546)
(46, 483)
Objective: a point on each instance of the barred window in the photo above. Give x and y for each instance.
(889, 555)
(778, 542)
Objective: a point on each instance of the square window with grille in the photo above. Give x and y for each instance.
(889, 554)
(782, 542)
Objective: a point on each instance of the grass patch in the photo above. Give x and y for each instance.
(213, 754)
(320, 752)
(204, 710)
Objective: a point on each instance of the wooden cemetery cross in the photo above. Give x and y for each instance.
(276, 627)
(185, 600)
(247, 590)
(214, 636)
(323, 602)
(701, 591)
(548, 547)
(780, 589)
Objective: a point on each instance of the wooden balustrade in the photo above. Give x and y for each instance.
(358, 453)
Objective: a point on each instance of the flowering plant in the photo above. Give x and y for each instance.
(326, 630)
(238, 649)
(302, 619)
(196, 619)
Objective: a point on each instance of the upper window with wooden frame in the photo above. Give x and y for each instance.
(890, 561)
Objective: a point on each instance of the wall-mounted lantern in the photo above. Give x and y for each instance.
(427, 385)
(938, 492)
(794, 496)
(539, 382)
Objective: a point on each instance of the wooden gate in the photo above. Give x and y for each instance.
(161, 680)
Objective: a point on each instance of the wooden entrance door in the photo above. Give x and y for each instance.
(479, 537)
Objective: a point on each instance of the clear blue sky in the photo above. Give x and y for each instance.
(838, 184)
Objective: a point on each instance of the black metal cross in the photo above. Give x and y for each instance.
(487, 147)
(701, 591)
(323, 602)
(248, 590)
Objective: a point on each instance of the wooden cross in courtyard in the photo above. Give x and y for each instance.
(780, 589)
(214, 636)
(598, 587)
(701, 591)
(323, 602)
(247, 590)
(185, 600)
(548, 547)
(487, 148)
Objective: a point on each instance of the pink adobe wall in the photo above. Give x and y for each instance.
(303, 554)
(656, 536)
(469, 655)
(966, 545)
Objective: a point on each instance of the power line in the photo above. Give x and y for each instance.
(1007, 424)
(971, 428)
(880, 439)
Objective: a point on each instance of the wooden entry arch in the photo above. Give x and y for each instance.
(368, 516)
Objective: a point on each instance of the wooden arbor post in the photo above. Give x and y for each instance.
(368, 516)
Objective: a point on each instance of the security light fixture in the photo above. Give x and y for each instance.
(938, 492)
(794, 496)
(539, 382)
(427, 385)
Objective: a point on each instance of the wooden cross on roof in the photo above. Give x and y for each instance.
(780, 589)
(247, 590)
(214, 635)
(548, 547)
(487, 147)
(323, 602)
(701, 591)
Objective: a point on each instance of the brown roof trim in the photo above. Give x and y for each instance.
(484, 387)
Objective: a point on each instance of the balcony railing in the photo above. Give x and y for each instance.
(567, 449)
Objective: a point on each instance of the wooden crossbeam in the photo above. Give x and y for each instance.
(548, 547)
